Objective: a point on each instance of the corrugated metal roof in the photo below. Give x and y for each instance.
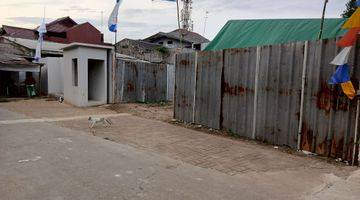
(50, 47)
(60, 25)
(252, 33)
(17, 32)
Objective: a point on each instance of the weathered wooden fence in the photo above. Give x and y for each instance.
(257, 93)
(140, 82)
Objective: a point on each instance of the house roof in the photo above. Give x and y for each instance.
(251, 33)
(141, 43)
(13, 62)
(188, 36)
(58, 26)
(48, 47)
(18, 32)
(96, 46)
(61, 25)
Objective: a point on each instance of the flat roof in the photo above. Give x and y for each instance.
(97, 46)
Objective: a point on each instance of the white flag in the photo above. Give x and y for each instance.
(42, 30)
(113, 19)
(343, 57)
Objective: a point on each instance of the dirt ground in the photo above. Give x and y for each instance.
(51, 108)
(159, 111)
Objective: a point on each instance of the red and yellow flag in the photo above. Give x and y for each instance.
(349, 38)
(353, 21)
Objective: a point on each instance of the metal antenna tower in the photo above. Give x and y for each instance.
(186, 22)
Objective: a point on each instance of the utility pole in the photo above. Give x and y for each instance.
(206, 18)
(186, 21)
(323, 19)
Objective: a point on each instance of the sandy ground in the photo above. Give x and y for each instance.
(161, 111)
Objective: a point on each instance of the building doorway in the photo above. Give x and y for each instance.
(96, 80)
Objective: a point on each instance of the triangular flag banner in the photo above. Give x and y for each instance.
(349, 38)
(348, 89)
(341, 75)
(343, 57)
(353, 21)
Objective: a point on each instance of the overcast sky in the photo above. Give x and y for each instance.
(141, 18)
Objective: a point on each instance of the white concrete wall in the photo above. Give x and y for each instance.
(55, 75)
(79, 95)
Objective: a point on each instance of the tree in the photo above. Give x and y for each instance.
(350, 9)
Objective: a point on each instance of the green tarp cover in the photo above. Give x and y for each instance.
(251, 33)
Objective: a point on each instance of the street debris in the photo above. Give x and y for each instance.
(64, 140)
(28, 160)
(308, 153)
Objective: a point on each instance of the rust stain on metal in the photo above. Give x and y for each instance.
(322, 148)
(286, 92)
(323, 97)
(184, 62)
(130, 87)
(235, 90)
(306, 138)
(337, 147)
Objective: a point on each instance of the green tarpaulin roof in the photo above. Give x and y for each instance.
(251, 33)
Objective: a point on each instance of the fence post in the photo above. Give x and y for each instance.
(303, 82)
(195, 85)
(256, 90)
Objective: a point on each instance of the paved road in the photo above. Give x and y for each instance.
(39, 160)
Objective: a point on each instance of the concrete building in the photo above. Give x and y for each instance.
(75, 63)
(63, 30)
(15, 66)
(179, 38)
(86, 71)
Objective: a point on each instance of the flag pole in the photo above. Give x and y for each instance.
(180, 29)
(323, 19)
(178, 13)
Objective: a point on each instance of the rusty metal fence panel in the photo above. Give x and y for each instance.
(238, 91)
(208, 88)
(278, 104)
(231, 95)
(140, 82)
(185, 84)
(328, 127)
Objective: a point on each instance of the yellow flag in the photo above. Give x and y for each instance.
(348, 89)
(353, 21)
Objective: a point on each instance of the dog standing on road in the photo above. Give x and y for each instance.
(93, 121)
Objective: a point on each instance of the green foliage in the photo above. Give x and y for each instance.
(350, 9)
(163, 50)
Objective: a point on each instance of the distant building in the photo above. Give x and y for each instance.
(63, 30)
(161, 47)
(64, 43)
(177, 39)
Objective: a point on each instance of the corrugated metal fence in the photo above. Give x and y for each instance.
(140, 82)
(256, 93)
